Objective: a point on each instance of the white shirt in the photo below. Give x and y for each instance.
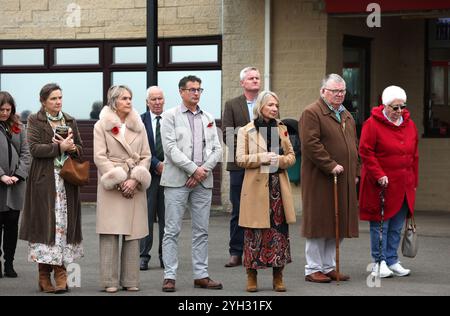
(250, 105)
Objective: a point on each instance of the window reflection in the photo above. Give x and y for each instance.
(194, 53)
(131, 55)
(80, 90)
(77, 56)
(22, 57)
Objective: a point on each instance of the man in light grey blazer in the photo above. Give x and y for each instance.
(191, 151)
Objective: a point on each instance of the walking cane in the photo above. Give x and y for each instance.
(380, 239)
(336, 215)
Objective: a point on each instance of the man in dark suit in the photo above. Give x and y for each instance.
(155, 193)
(237, 113)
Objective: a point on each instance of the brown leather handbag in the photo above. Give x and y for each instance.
(75, 172)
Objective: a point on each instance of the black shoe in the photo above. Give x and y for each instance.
(9, 271)
(143, 266)
(161, 263)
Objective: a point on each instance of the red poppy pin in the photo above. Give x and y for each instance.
(286, 134)
(211, 124)
(15, 129)
(115, 130)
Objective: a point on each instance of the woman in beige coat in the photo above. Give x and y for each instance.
(264, 150)
(122, 156)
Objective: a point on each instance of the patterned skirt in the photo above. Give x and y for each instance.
(61, 252)
(269, 247)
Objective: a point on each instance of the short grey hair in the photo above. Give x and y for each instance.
(331, 77)
(246, 70)
(152, 88)
(262, 101)
(114, 93)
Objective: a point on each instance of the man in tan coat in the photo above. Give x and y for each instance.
(329, 147)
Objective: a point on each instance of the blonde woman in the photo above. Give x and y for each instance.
(264, 150)
(122, 156)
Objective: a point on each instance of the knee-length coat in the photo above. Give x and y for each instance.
(392, 151)
(12, 196)
(255, 201)
(119, 158)
(38, 218)
(326, 142)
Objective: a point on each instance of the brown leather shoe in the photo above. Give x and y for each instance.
(333, 276)
(234, 262)
(168, 285)
(207, 283)
(317, 277)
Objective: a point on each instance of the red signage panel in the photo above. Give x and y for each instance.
(359, 6)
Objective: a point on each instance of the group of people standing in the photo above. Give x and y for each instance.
(384, 160)
(157, 164)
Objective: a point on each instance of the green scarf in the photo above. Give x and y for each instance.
(59, 160)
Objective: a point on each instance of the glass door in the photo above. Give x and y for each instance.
(356, 73)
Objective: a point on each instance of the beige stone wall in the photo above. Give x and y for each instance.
(243, 45)
(398, 58)
(106, 19)
(189, 17)
(299, 49)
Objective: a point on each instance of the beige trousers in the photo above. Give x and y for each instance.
(109, 262)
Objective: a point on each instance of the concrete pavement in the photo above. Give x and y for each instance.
(430, 273)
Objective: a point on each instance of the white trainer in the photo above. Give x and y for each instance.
(385, 272)
(398, 270)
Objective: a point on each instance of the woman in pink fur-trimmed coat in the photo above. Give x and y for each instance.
(122, 156)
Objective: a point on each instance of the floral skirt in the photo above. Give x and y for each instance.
(60, 253)
(269, 247)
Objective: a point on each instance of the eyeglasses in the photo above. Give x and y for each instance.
(193, 90)
(336, 91)
(397, 107)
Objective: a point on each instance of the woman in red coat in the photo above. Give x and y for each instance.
(388, 149)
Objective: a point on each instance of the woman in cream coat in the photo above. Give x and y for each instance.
(264, 150)
(122, 156)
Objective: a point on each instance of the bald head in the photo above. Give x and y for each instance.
(155, 100)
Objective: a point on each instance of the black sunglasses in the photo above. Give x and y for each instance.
(395, 108)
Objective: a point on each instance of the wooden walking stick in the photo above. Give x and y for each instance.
(336, 215)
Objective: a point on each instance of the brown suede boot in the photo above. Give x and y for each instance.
(278, 284)
(45, 284)
(60, 279)
(252, 285)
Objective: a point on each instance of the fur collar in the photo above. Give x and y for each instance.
(110, 120)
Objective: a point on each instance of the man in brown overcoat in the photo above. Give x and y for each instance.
(329, 146)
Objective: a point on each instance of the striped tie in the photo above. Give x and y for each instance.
(158, 144)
